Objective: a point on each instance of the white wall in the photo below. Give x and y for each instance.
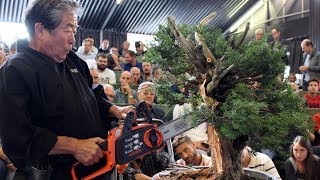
(145, 39)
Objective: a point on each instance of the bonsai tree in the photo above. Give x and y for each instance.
(245, 100)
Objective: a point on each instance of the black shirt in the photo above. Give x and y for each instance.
(40, 100)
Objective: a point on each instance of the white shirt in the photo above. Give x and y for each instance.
(262, 162)
(84, 56)
(94, 50)
(107, 77)
(198, 133)
(306, 63)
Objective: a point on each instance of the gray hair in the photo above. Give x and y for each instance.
(141, 86)
(258, 31)
(108, 86)
(48, 12)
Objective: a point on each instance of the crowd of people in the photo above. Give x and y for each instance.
(56, 105)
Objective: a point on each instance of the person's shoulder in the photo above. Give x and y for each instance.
(288, 162)
(20, 60)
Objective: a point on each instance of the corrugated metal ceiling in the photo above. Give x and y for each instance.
(140, 16)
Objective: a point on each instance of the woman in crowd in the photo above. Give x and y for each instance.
(302, 164)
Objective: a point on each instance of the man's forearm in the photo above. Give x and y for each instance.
(64, 145)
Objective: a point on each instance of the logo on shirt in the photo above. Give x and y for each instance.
(74, 70)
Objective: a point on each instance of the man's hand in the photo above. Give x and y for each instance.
(121, 112)
(87, 151)
(303, 68)
(126, 89)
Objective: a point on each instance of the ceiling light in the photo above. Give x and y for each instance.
(249, 13)
(237, 8)
(118, 1)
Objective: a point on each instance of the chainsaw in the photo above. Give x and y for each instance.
(130, 142)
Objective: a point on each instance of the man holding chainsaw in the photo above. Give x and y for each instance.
(48, 115)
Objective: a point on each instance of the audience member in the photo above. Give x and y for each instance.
(292, 82)
(312, 97)
(311, 66)
(136, 78)
(258, 35)
(114, 50)
(86, 52)
(302, 164)
(258, 161)
(125, 94)
(104, 48)
(95, 77)
(131, 61)
(106, 76)
(12, 50)
(315, 135)
(156, 73)
(2, 58)
(93, 49)
(113, 62)
(125, 48)
(109, 92)
(278, 40)
(146, 69)
(184, 147)
(147, 93)
(140, 48)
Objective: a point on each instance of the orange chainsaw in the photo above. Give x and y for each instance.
(130, 142)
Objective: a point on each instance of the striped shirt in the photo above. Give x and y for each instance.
(262, 162)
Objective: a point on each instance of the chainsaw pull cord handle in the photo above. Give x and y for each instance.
(144, 110)
(128, 121)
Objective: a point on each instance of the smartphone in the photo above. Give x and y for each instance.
(137, 44)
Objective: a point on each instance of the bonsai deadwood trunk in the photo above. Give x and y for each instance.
(226, 158)
(226, 155)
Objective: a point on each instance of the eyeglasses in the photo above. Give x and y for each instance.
(146, 93)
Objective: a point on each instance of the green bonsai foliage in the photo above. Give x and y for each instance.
(269, 114)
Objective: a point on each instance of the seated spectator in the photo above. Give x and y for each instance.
(86, 53)
(12, 50)
(201, 135)
(125, 94)
(313, 99)
(104, 49)
(314, 136)
(125, 48)
(113, 62)
(147, 94)
(114, 50)
(302, 164)
(131, 61)
(184, 147)
(292, 82)
(109, 91)
(146, 70)
(140, 48)
(106, 75)
(156, 73)
(95, 77)
(258, 161)
(135, 76)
